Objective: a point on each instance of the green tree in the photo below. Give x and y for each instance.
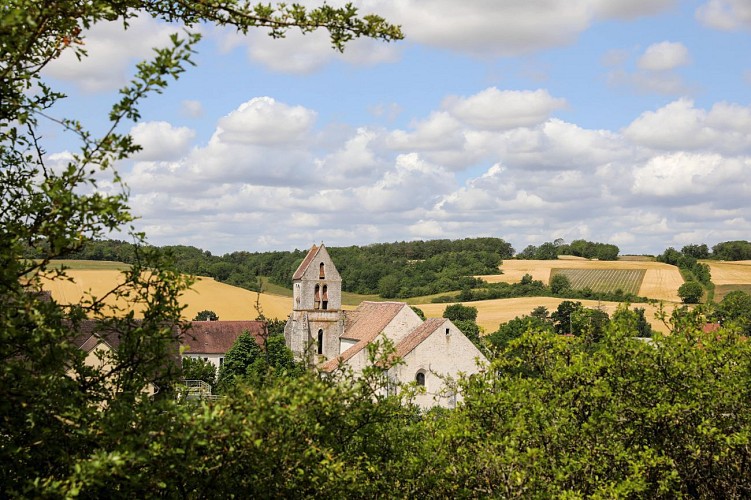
(206, 315)
(562, 317)
(696, 251)
(239, 360)
(690, 292)
(199, 369)
(460, 312)
(419, 312)
(735, 309)
(560, 283)
(69, 428)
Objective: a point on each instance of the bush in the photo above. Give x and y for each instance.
(691, 292)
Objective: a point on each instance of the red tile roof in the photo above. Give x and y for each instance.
(364, 324)
(416, 336)
(370, 318)
(217, 337)
(306, 262)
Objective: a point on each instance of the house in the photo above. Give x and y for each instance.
(211, 340)
(321, 333)
(207, 340)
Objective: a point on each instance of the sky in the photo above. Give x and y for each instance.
(618, 121)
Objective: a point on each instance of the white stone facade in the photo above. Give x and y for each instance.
(433, 353)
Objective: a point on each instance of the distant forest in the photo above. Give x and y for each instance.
(399, 269)
(391, 270)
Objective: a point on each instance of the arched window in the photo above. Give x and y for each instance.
(325, 298)
(317, 298)
(320, 341)
(420, 378)
(321, 271)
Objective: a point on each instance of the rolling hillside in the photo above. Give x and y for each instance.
(234, 303)
(661, 281)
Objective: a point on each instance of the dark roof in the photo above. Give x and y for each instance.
(306, 262)
(217, 337)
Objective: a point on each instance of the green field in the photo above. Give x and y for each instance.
(604, 280)
(721, 290)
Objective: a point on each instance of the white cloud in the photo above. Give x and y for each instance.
(161, 141)
(686, 174)
(488, 27)
(680, 125)
(656, 69)
(268, 175)
(494, 109)
(725, 15)
(630, 9)
(191, 108)
(264, 121)
(439, 131)
(111, 53)
(303, 54)
(664, 56)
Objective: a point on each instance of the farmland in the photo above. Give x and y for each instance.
(603, 280)
(660, 282)
(228, 302)
(491, 313)
(730, 276)
(233, 303)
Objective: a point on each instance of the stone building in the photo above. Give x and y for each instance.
(320, 332)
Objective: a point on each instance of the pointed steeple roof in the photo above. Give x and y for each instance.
(306, 262)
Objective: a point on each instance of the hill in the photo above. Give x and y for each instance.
(228, 302)
(234, 303)
(660, 282)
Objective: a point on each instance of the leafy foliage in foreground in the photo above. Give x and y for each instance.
(551, 416)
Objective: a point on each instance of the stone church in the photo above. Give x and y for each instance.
(320, 331)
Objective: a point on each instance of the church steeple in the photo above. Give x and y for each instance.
(315, 325)
(317, 285)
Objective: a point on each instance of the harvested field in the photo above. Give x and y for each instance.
(730, 273)
(228, 302)
(637, 258)
(721, 290)
(603, 280)
(661, 281)
(491, 313)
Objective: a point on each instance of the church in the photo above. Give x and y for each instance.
(318, 331)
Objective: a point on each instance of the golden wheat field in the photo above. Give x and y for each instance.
(233, 303)
(730, 273)
(228, 302)
(661, 281)
(491, 313)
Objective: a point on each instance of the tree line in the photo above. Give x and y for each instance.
(400, 269)
(726, 250)
(579, 248)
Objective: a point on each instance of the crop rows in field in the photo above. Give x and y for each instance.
(721, 290)
(604, 280)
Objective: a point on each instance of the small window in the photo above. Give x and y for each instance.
(321, 271)
(320, 341)
(448, 332)
(221, 361)
(317, 298)
(420, 378)
(325, 301)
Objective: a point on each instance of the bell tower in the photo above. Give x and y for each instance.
(315, 324)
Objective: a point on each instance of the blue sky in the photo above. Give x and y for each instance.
(620, 121)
